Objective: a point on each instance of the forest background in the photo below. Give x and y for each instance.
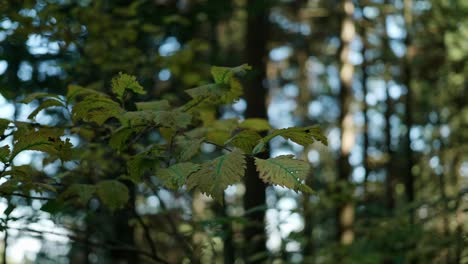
(385, 80)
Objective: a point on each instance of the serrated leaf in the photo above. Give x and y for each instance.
(143, 161)
(301, 135)
(113, 194)
(81, 193)
(174, 176)
(96, 108)
(46, 104)
(120, 137)
(216, 175)
(42, 139)
(39, 95)
(137, 118)
(256, 124)
(284, 171)
(172, 119)
(126, 82)
(225, 74)
(160, 105)
(245, 140)
(260, 147)
(75, 91)
(188, 147)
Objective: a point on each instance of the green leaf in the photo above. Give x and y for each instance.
(174, 176)
(113, 194)
(256, 124)
(301, 135)
(4, 153)
(76, 91)
(3, 125)
(126, 82)
(245, 140)
(41, 139)
(160, 105)
(119, 138)
(188, 147)
(141, 162)
(172, 119)
(137, 118)
(34, 96)
(46, 104)
(225, 74)
(216, 175)
(284, 171)
(96, 108)
(82, 193)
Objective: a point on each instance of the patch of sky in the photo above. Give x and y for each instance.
(3, 66)
(169, 46)
(48, 68)
(358, 174)
(334, 144)
(291, 90)
(395, 26)
(38, 44)
(371, 12)
(240, 106)
(398, 48)
(313, 157)
(355, 158)
(280, 53)
(164, 74)
(3, 35)
(333, 80)
(286, 24)
(394, 90)
(279, 111)
(25, 71)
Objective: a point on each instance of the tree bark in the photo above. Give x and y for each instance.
(409, 177)
(345, 212)
(255, 95)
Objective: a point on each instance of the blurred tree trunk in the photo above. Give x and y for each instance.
(365, 132)
(124, 233)
(345, 211)
(409, 177)
(255, 95)
(389, 179)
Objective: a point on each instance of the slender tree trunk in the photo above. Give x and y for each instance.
(124, 232)
(345, 211)
(409, 177)
(255, 94)
(365, 110)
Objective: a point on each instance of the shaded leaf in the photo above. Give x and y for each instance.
(216, 175)
(126, 82)
(113, 194)
(80, 193)
(245, 140)
(160, 105)
(46, 104)
(284, 171)
(301, 135)
(174, 176)
(256, 124)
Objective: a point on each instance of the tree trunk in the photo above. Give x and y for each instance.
(409, 177)
(255, 95)
(345, 211)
